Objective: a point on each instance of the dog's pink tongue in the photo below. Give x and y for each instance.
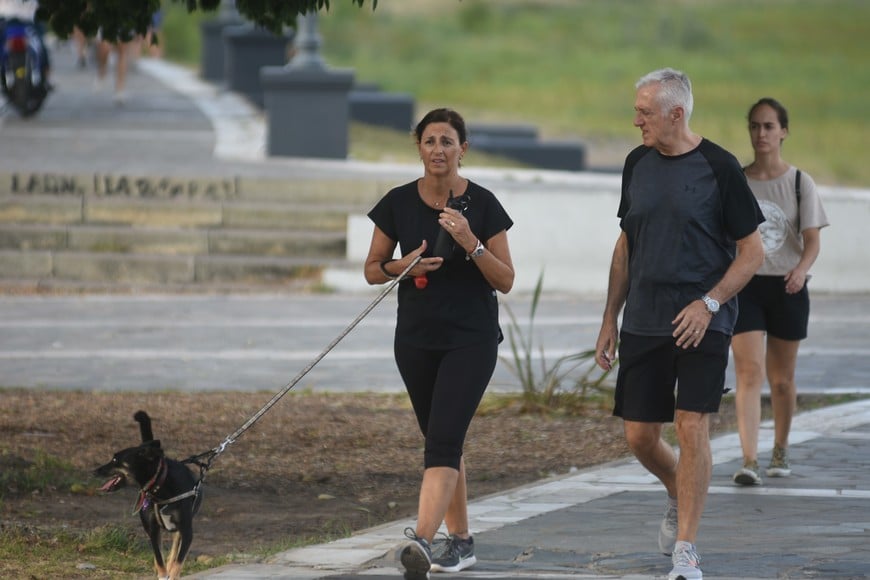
(110, 485)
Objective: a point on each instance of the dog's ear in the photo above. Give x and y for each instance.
(144, 421)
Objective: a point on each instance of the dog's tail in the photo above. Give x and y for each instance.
(144, 421)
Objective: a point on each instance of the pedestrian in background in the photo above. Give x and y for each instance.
(82, 44)
(775, 304)
(689, 242)
(154, 37)
(122, 52)
(447, 331)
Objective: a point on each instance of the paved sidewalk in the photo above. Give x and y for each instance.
(603, 522)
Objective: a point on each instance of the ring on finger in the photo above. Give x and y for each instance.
(452, 224)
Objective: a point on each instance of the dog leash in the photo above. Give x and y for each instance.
(212, 454)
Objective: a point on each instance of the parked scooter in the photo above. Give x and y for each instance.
(23, 67)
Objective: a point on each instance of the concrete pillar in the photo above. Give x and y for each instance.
(212, 67)
(248, 49)
(306, 102)
(307, 112)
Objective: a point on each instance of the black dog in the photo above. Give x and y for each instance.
(169, 495)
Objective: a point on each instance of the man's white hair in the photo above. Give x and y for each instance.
(675, 89)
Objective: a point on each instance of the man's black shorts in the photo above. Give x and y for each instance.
(656, 376)
(765, 305)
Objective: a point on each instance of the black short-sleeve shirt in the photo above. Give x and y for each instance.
(458, 307)
(682, 216)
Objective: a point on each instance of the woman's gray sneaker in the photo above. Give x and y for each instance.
(457, 554)
(416, 556)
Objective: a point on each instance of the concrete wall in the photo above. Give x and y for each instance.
(566, 225)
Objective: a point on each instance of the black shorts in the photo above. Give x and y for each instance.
(765, 305)
(656, 376)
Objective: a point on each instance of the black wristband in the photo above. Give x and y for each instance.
(384, 270)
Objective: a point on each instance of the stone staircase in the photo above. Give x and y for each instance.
(174, 234)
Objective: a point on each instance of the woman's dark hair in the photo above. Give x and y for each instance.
(781, 113)
(442, 116)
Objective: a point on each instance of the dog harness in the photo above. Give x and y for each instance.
(148, 491)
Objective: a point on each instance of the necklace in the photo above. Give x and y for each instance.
(438, 202)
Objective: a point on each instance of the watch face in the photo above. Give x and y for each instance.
(712, 304)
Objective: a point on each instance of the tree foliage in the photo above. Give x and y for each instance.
(123, 19)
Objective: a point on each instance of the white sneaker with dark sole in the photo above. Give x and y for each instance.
(748, 474)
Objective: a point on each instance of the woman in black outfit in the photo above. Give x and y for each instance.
(447, 330)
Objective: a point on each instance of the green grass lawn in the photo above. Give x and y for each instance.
(569, 66)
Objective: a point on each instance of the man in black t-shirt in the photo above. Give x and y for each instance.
(689, 243)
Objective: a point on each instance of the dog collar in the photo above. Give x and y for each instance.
(151, 487)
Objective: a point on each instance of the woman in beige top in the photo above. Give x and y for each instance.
(775, 305)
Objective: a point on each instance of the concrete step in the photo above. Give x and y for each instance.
(43, 209)
(148, 270)
(122, 232)
(172, 241)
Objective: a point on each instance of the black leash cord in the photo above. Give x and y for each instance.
(256, 417)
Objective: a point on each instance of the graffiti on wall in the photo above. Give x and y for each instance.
(123, 186)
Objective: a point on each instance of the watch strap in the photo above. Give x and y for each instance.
(478, 250)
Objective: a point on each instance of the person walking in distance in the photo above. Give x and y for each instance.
(775, 304)
(689, 243)
(447, 331)
(121, 50)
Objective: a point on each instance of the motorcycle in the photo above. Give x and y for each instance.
(22, 67)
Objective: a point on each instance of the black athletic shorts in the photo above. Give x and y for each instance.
(765, 305)
(655, 376)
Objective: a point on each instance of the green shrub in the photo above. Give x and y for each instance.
(568, 384)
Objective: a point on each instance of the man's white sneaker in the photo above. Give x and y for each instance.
(687, 563)
(668, 529)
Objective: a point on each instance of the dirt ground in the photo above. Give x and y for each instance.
(315, 464)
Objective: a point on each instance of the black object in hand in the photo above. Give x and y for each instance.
(444, 242)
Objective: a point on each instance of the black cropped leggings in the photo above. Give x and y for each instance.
(445, 387)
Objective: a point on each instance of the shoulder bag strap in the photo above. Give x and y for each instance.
(797, 192)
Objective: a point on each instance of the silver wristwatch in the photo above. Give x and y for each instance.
(711, 303)
(478, 250)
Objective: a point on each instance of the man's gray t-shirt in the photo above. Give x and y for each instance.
(682, 216)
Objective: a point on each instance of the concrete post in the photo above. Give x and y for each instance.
(248, 49)
(212, 67)
(307, 103)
